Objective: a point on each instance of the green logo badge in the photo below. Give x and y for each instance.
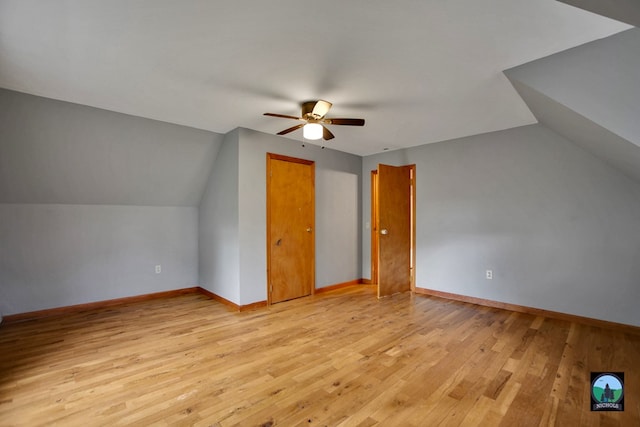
(607, 391)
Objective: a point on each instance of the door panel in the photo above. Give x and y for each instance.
(394, 228)
(290, 224)
(375, 237)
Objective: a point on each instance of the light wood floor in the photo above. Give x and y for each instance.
(338, 358)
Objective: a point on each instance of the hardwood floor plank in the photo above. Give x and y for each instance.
(340, 357)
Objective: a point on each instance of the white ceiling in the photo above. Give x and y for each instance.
(418, 71)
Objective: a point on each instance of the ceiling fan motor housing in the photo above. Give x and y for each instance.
(307, 110)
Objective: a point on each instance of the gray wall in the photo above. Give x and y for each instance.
(91, 201)
(219, 224)
(337, 233)
(60, 255)
(558, 226)
(233, 223)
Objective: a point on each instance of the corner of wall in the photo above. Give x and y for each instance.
(218, 234)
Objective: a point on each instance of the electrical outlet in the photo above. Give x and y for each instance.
(489, 274)
(158, 269)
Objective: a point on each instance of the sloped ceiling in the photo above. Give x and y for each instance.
(601, 142)
(591, 95)
(63, 153)
(417, 71)
(621, 10)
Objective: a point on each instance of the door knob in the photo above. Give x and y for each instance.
(309, 230)
(384, 231)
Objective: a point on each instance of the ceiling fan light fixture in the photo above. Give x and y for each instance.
(312, 131)
(313, 119)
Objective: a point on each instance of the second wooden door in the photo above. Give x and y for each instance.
(392, 262)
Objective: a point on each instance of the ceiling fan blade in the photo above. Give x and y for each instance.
(326, 134)
(291, 129)
(321, 108)
(347, 122)
(283, 116)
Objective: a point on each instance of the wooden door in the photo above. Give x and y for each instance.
(395, 228)
(374, 228)
(290, 228)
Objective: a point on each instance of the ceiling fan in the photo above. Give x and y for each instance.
(313, 116)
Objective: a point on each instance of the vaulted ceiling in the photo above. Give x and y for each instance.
(417, 71)
(591, 95)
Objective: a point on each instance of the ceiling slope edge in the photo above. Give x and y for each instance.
(618, 152)
(627, 11)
